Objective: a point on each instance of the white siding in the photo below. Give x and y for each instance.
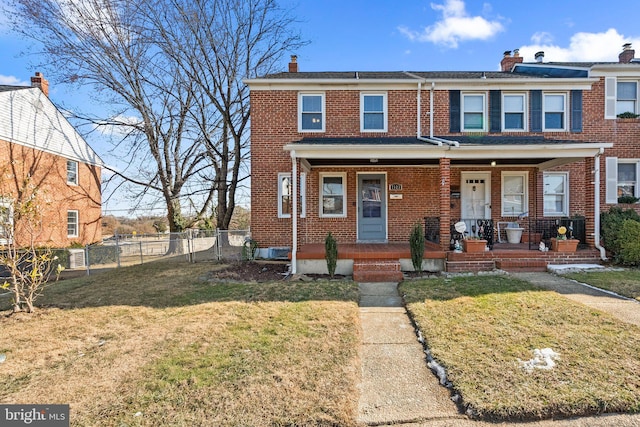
(29, 118)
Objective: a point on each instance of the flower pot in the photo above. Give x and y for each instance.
(474, 245)
(567, 245)
(514, 234)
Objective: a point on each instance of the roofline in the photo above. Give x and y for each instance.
(99, 162)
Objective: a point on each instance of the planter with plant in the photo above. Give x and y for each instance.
(561, 243)
(474, 245)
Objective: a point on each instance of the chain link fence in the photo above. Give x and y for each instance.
(131, 249)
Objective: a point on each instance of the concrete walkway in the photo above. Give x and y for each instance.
(397, 387)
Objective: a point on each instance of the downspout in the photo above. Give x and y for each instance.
(419, 114)
(294, 214)
(596, 206)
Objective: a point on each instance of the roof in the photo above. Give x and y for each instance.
(29, 118)
(396, 75)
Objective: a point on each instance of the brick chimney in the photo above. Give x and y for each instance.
(39, 81)
(627, 54)
(509, 61)
(293, 65)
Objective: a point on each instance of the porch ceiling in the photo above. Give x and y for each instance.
(409, 151)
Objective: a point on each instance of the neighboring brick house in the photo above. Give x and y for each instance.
(369, 154)
(39, 145)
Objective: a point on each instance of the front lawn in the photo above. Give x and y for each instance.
(622, 282)
(482, 328)
(165, 344)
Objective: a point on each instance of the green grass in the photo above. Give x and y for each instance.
(623, 282)
(479, 328)
(166, 344)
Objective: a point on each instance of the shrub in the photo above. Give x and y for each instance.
(627, 199)
(611, 228)
(629, 241)
(249, 249)
(331, 253)
(416, 244)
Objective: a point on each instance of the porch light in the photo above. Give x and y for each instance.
(373, 160)
(493, 163)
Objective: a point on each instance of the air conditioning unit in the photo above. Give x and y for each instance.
(76, 258)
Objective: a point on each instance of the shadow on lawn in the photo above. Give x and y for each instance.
(176, 284)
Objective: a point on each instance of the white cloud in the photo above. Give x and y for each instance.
(12, 81)
(582, 47)
(455, 26)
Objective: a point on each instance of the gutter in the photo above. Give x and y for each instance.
(596, 206)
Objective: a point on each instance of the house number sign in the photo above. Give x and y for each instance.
(395, 187)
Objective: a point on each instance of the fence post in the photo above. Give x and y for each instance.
(118, 250)
(87, 260)
(141, 256)
(190, 246)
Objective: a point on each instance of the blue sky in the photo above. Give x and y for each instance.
(413, 35)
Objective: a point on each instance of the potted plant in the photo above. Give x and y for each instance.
(563, 244)
(474, 245)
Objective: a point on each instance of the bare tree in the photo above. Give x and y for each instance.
(175, 69)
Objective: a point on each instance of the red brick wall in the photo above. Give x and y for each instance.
(275, 121)
(49, 173)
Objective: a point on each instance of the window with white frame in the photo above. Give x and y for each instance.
(556, 194)
(513, 115)
(554, 107)
(72, 172)
(285, 195)
(473, 112)
(373, 112)
(514, 193)
(311, 112)
(333, 195)
(6, 221)
(72, 224)
(626, 97)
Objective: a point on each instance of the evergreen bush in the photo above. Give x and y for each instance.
(416, 244)
(611, 229)
(331, 254)
(629, 241)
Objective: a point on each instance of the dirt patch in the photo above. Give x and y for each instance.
(256, 271)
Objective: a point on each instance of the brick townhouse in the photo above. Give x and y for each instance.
(366, 155)
(39, 145)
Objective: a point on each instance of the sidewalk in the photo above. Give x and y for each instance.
(397, 387)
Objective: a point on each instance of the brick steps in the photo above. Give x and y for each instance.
(377, 270)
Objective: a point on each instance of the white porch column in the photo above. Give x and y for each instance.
(294, 214)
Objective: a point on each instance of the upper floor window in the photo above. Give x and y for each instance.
(311, 112)
(514, 116)
(72, 172)
(373, 112)
(627, 97)
(72, 224)
(554, 107)
(556, 194)
(473, 112)
(333, 195)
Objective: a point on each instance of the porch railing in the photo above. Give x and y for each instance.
(535, 230)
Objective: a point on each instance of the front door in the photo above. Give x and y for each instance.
(475, 199)
(372, 208)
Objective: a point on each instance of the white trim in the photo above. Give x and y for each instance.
(281, 194)
(77, 223)
(384, 111)
(525, 112)
(343, 176)
(565, 116)
(525, 193)
(303, 194)
(483, 112)
(565, 202)
(323, 111)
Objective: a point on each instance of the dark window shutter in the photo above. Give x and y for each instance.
(495, 111)
(576, 111)
(454, 111)
(536, 111)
